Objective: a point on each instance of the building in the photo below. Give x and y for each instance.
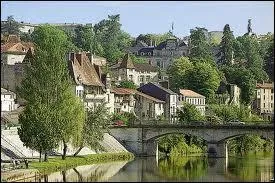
(139, 73)
(163, 94)
(124, 100)
(161, 55)
(142, 105)
(264, 102)
(14, 50)
(191, 97)
(8, 100)
(88, 80)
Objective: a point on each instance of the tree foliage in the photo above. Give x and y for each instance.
(226, 46)
(127, 84)
(189, 113)
(10, 27)
(47, 88)
(153, 39)
(199, 46)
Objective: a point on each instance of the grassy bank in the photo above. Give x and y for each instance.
(57, 164)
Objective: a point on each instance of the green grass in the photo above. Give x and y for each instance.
(57, 164)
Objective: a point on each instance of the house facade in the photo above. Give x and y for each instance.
(264, 102)
(163, 94)
(7, 100)
(228, 94)
(139, 73)
(124, 100)
(192, 97)
(88, 82)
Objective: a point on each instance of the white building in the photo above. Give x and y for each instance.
(139, 73)
(191, 97)
(7, 100)
(264, 102)
(14, 50)
(124, 100)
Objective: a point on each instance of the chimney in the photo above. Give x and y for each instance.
(79, 57)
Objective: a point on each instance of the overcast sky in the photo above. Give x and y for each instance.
(141, 17)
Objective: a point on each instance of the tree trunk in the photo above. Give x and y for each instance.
(80, 148)
(40, 155)
(64, 150)
(46, 157)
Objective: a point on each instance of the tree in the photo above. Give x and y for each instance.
(153, 38)
(189, 113)
(127, 84)
(47, 87)
(84, 38)
(178, 72)
(199, 46)
(204, 79)
(226, 46)
(96, 124)
(10, 27)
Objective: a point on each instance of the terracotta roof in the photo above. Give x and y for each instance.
(145, 67)
(82, 69)
(190, 93)
(127, 62)
(128, 91)
(265, 85)
(20, 47)
(123, 91)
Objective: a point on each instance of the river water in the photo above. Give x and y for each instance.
(255, 168)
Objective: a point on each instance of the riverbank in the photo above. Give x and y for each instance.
(56, 164)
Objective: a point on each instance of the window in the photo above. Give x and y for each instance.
(264, 105)
(147, 78)
(131, 77)
(271, 97)
(158, 63)
(264, 90)
(142, 53)
(271, 105)
(124, 106)
(141, 79)
(149, 54)
(264, 97)
(272, 91)
(159, 106)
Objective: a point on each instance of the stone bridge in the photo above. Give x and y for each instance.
(141, 139)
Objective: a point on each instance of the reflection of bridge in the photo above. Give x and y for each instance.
(140, 139)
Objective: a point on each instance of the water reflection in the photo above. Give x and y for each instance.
(197, 169)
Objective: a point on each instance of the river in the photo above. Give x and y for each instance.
(255, 168)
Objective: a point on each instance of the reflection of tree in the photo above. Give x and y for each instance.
(97, 175)
(80, 177)
(64, 175)
(183, 168)
(250, 168)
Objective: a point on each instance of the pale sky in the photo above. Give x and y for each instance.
(141, 17)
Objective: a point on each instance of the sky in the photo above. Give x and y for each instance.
(142, 17)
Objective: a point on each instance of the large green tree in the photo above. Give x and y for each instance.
(199, 46)
(189, 113)
(226, 46)
(47, 87)
(153, 38)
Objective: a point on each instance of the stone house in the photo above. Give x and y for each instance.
(191, 97)
(163, 94)
(88, 80)
(133, 101)
(139, 73)
(264, 101)
(228, 94)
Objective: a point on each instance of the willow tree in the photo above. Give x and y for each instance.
(96, 124)
(47, 88)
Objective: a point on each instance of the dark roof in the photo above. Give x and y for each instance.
(164, 89)
(145, 67)
(146, 50)
(127, 62)
(163, 44)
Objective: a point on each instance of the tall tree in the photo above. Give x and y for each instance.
(10, 27)
(47, 87)
(199, 46)
(189, 113)
(226, 47)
